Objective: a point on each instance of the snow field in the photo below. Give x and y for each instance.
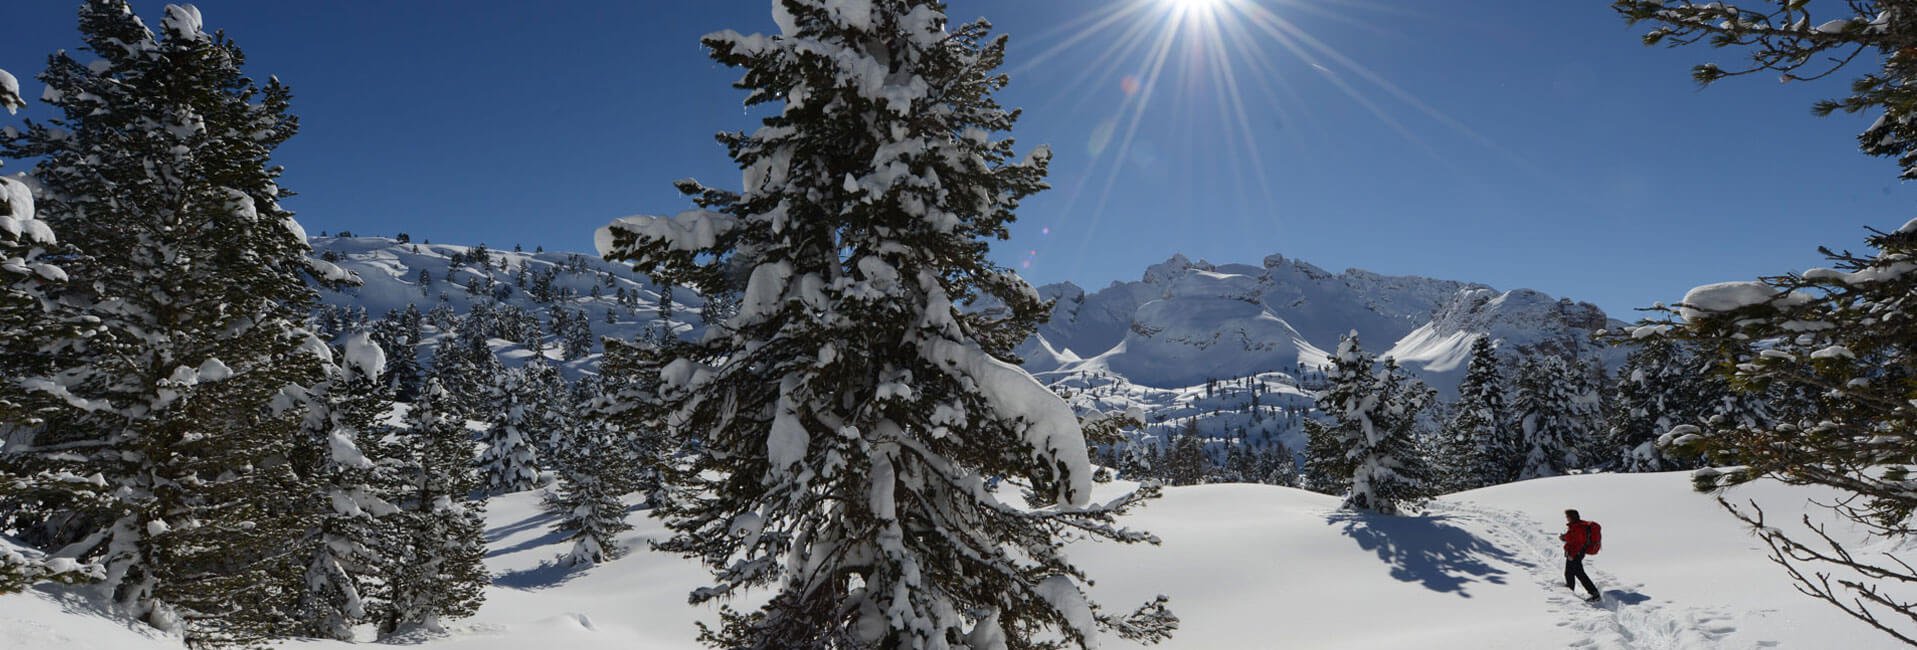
(1246, 566)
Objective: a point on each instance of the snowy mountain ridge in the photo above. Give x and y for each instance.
(1183, 323)
(1186, 322)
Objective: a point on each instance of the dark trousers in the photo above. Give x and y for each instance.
(1574, 574)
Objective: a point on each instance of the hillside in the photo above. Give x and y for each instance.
(1246, 566)
(615, 301)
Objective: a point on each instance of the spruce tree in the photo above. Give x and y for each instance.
(1368, 447)
(1390, 470)
(1658, 389)
(467, 368)
(34, 333)
(1556, 413)
(849, 414)
(1242, 463)
(352, 546)
(511, 461)
(157, 171)
(575, 341)
(1350, 384)
(592, 469)
(399, 334)
(1821, 366)
(1477, 444)
(1185, 462)
(551, 411)
(624, 400)
(441, 575)
(27, 281)
(1278, 466)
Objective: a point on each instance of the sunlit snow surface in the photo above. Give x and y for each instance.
(1246, 567)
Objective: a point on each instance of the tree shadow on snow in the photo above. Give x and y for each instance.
(551, 537)
(1427, 549)
(547, 575)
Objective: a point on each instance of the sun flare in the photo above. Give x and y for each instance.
(1194, 6)
(1229, 70)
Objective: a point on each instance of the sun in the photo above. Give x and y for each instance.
(1194, 6)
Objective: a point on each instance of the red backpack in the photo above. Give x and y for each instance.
(1593, 537)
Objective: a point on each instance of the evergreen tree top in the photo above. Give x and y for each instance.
(162, 147)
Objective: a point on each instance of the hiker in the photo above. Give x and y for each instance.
(1578, 539)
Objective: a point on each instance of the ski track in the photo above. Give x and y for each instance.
(1612, 624)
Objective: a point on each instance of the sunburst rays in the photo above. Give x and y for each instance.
(1218, 64)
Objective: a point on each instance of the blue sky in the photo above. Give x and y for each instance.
(1512, 142)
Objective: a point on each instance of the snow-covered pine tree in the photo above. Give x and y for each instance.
(1368, 447)
(1829, 352)
(467, 368)
(1389, 470)
(593, 470)
(576, 341)
(353, 544)
(1137, 461)
(548, 400)
(399, 334)
(1277, 466)
(624, 400)
(1478, 444)
(28, 335)
(1185, 461)
(1593, 411)
(34, 332)
(1555, 411)
(1659, 388)
(511, 462)
(559, 317)
(1349, 384)
(1241, 462)
(157, 170)
(849, 413)
(441, 575)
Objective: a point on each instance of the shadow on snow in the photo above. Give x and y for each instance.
(549, 573)
(1623, 597)
(1427, 549)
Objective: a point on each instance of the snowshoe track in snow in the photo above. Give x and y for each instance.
(1624, 619)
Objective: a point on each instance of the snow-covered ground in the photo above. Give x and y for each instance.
(1247, 566)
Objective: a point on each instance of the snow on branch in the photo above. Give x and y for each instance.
(1049, 425)
(689, 231)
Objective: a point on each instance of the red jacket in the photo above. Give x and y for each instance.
(1576, 537)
